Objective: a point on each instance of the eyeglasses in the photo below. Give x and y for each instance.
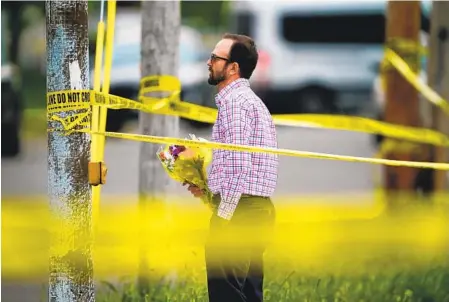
(214, 57)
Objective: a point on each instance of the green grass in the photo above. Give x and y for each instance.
(397, 258)
(390, 283)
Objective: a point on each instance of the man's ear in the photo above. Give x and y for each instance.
(235, 68)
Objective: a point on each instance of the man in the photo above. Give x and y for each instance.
(242, 182)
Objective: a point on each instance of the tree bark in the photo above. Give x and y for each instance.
(402, 106)
(160, 43)
(438, 77)
(69, 193)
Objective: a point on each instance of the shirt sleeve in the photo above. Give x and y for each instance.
(236, 129)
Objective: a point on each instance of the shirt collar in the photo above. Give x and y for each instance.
(219, 97)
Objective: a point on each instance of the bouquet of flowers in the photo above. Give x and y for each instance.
(188, 165)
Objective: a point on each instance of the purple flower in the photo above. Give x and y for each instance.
(175, 150)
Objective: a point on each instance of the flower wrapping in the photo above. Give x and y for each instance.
(188, 165)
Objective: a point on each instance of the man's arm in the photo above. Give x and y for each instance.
(237, 128)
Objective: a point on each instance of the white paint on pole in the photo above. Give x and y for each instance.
(75, 76)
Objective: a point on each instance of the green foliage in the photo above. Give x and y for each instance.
(391, 283)
(204, 14)
(397, 258)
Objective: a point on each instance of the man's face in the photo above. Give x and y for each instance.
(218, 64)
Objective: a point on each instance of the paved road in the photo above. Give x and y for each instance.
(298, 176)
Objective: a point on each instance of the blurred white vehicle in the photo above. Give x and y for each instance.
(126, 73)
(316, 56)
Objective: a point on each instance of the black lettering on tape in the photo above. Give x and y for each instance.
(113, 100)
(85, 96)
(51, 100)
(61, 98)
(86, 119)
(73, 118)
(73, 97)
(100, 99)
(152, 83)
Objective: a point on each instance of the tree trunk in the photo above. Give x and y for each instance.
(402, 107)
(438, 77)
(71, 272)
(160, 43)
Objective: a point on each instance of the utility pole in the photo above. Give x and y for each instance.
(161, 23)
(71, 271)
(402, 99)
(438, 79)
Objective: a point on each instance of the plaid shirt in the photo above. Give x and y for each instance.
(242, 119)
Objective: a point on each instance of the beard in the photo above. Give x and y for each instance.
(215, 80)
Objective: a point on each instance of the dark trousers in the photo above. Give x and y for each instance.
(234, 251)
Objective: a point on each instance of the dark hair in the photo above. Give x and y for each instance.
(244, 52)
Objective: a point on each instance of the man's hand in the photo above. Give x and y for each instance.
(197, 192)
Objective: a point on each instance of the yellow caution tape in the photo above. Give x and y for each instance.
(360, 124)
(406, 45)
(113, 101)
(413, 79)
(278, 151)
(68, 100)
(81, 99)
(156, 83)
(390, 146)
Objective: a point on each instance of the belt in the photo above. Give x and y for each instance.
(251, 202)
(244, 196)
(257, 196)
